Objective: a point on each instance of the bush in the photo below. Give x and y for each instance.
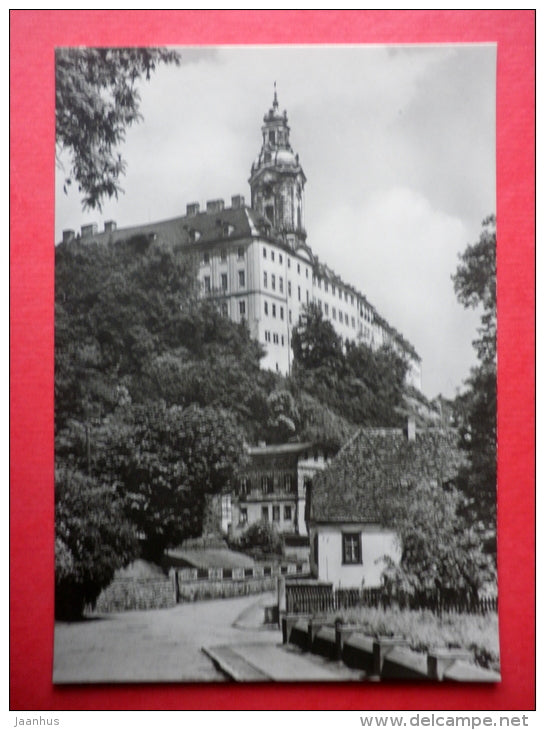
(261, 536)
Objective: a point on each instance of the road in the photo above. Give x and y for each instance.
(158, 646)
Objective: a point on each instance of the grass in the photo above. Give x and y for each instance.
(424, 630)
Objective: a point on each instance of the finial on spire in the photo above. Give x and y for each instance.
(275, 100)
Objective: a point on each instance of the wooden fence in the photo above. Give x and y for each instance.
(320, 598)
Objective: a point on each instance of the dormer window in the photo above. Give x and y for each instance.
(193, 235)
(206, 258)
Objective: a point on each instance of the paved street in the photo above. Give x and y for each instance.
(158, 646)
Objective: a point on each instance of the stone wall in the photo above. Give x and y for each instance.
(137, 594)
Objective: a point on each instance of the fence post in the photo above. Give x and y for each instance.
(281, 593)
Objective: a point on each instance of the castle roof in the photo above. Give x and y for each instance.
(375, 465)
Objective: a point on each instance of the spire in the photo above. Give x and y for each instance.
(275, 100)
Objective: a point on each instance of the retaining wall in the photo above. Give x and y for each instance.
(138, 594)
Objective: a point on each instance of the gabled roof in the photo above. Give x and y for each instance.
(375, 465)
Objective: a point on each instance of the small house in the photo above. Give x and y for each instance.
(348, 501)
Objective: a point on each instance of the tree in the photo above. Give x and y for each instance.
(165, 461)
(93, 540)
(315, 342)
(97, 100)
(475, 286)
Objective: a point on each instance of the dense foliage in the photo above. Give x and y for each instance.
(259, 538)
(475, 286)
(97, 99)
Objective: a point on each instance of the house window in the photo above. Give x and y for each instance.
(265, 279)
(353, 323)
(315, 548)
(289, 263)
(307, 297)
(334, 312)
(265, 514)
(289, 288)
(326, 309)
(224, 309)
(282, 340)
(287, 512)
(266, 305)
(206, 258)
(298, 269)
(272, 255)
(345, 318)
(241, 279)
(242, 308)
(244, 485)
(281, 284)
(275, 338)
(280, 257)
(267, 336)
(271, 137)
(281, 312)
(333, 289)
(223, 255)
(306, 273)
(273, 282)
(224, 282)
(264, 252)
(351, 548)
(299, 293)
(289, 315)
(241, 252)
(243, 515)
(276, 513)
(325, 285)
(207, 284)
(287, 482)
(274, 310)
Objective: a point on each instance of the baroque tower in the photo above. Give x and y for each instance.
(277, 179)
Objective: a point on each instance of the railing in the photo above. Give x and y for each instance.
(316, 598)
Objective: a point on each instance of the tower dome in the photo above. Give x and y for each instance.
(277, 179)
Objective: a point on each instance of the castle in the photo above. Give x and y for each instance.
(256, 263)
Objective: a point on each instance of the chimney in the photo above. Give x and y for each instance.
(214, 206)
(411, 429)
(237, 201)
(89, 230)
(192, 209)
(109, 226)
(68, 235)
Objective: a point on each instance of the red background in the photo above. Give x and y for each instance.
(34, 34)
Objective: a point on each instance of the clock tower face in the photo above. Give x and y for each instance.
(277, 179)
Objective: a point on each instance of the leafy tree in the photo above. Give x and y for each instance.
(475, 286)
(93, 540)
(283, 419)
(165, 461)
(441, 555)
(97, 99)
(261, 537)
(315, 342)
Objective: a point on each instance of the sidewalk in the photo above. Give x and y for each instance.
(266, 662)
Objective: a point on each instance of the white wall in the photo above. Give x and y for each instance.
(376, 542)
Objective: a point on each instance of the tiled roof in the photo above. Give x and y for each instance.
(375, 465)
(209, 226)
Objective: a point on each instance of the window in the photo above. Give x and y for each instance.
(319, 283)
(264, 252)
(289, 315)
(340, 295)
(352, 299)
(223, 255)
(280, 257)
(289, 288)
(281, 284)
(307, 297)
(326, 309)
(345, 318)
(273, 282)
(353, 323)
(244, 485)
(289, 263)
(267, 336)
(345, 297)
(224, 309)
(242, 308)
(206, 258)
(269, 210)
(287, 482)
(282, 340)
(275, 339)
(334, 312)
(320, 303)
(325, 285)
(287, 512)
(266, 306)
(281, 312)
(241, 252)
(241, 279)
(351, 548)
(265, 279)
(243, 515)
(265, 514)
(274, 310)
(276, 513)
(207, 284)
(298, 269)
(333, 289)
(271, 137)
(299, 293)
(224, 282)
(272, 255)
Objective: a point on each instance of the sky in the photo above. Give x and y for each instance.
(398, 147)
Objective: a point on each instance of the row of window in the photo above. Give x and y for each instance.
(223, 255)
(224, 308)
(267, 484)
(273, 310)
(280, 260)
(225, 282)
(265, 513)
(276, 339)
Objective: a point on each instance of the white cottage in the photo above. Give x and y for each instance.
(349, 501)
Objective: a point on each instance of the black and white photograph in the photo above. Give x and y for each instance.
(275, 364)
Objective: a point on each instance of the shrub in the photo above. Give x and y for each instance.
(260, 536)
